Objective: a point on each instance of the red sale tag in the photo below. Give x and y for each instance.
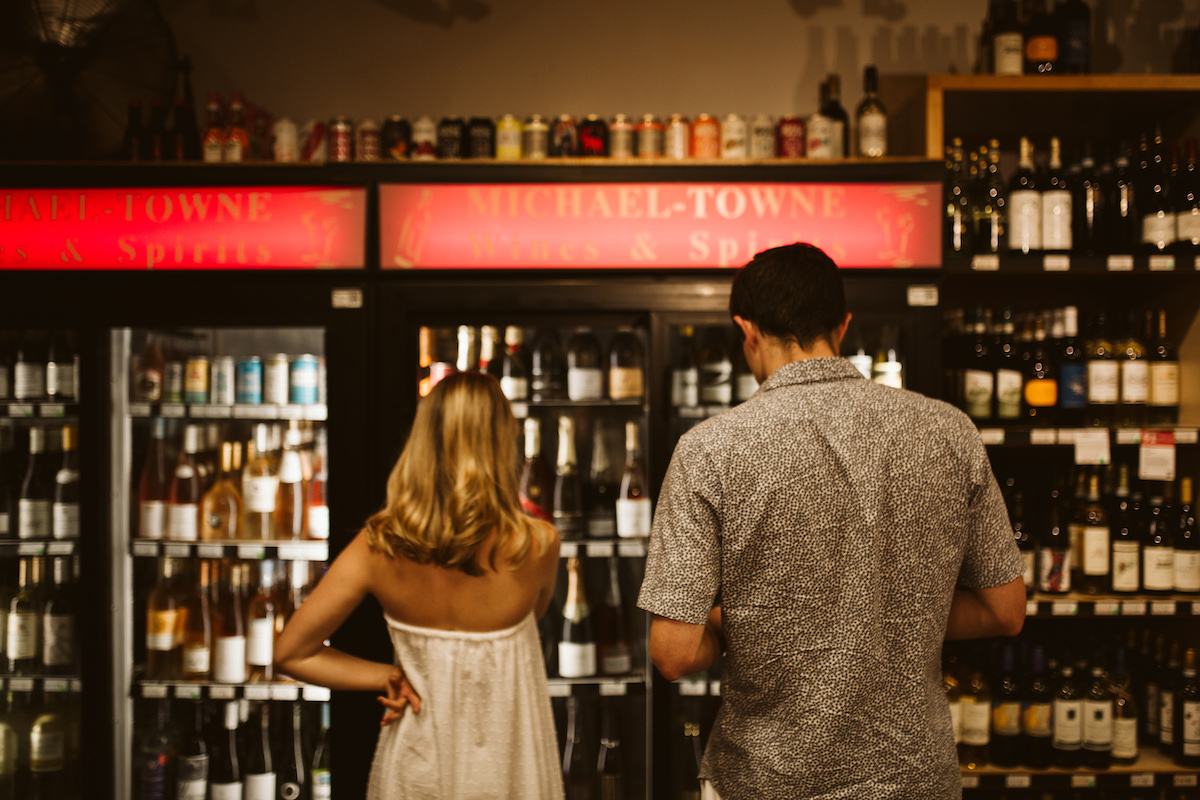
(1156, 456)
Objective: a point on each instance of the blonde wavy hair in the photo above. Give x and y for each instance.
(456, 482)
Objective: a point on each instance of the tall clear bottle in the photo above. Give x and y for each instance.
(229, 633)
(567, 511)
(261, 615)
(633, 501)
(192, 764)
(221, 507)
(291, 519)
(186, 490)
(870, 119)
(260, 487)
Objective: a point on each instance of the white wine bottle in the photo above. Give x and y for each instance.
(633, 501)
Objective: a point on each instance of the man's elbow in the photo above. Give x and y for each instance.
(1012, 623)
(671, 668)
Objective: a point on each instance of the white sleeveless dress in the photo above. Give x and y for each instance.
(486, 729)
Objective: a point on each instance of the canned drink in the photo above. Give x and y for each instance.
(395, 140)
(762, 137)
(275, 379)
(424, 139)
(649, 137)
(341, 140)
(303, 380)
(536, 137)
(819, 135)
(564, 137)
(508, 138)
(790, 137)
(593, 136)
(322, 393)
(733, 137)
(366, 141)
(706, 137)
(677, 137)
(315, 136)
(172, 382)
(481, 138)
(451, 137)
(221, 386)
(287, 146)
(195, 380)
(620, 137)
(249, 384)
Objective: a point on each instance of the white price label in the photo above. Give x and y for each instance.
(1187, 436)
(692, 688)
(1129, 436)
(1031, 608)
(1156, 457)
(1016, 781)
(1120, 263)
(189, 691)
(316, 413)
(31, 549)
(992, 435)
(1164, 608)
(150, 691)
(970, 781)
(285, 691)
(1043, 436)
(317, 693)
(922, 295)
(600, 550)
(173, 410)
(1083, 781)
(60, 548)
(1185, 779)
(612, 689)
(1107, 609)
(1092, 447)
(222, 692)
(714, 688)
(53, 410)
(631, 549)
(56, 685)
(346, 298)
(210, 550)
(985, 263)
(139, 409)
(1133, 608)
(177, 550)
(1064, 609)
(291, 412)
(145, 549)
(559, 689)
(258, 691)
(20, 410)
(198, 412)
(251, 551)
(1161, 263)
(1056, 263)
(1141, 780)
(568, 550)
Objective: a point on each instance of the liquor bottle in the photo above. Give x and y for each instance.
(602, 487)
(192, 758)
(29, 369)
(36, 499)
(1054, 551)
(1006, 744)
(1025, 204)
(1097, 747)
(1072, 372)
(1087, 205)
(489, 362)
(831, 107)
(1057, 211)
(1187, 542)
(613, 649)
(956, 199)
(292, 778)
(1163, 400)
(577, 777)
(1008, 381)
(1068, 720)
(633, 502)
(547, 369)
(514, 377)
(626, 366)
(577, 646)
(23, 646)
(261, 614)
(1168, 697)
(1186, 186)
(1008, 41)
(198, 627)
(976, 704)
(186, 490)
(320, 774)
(229, 630)
(567, 513)
(318, 504)
(1130, 353)
(1025, 543)
(1074, 20)
(290, 516)
(58, 635)
(610, 763)
(1121, 220)
(1041, 383)
(61, 369)
(151, 368)
(165, 610)
(221, 507)
(536, 486)
(685, 373)
(1158, 549)
(585, 377)
(1097, 541)
(65, 511)
(185, 136)
(225, 768)
(1103, 374)
(467, 359)
(1153, 669)
(1041, 41)
(154, 485)
(870, 119)
(8, 489)
(157, 754)
(1036, 715)
(1187, 714)
(260, 487)
(1126, 539)
(979, 380)
(1125, 714)
(258, 773)
(1155, 202)
(212, 142)
(237, 137)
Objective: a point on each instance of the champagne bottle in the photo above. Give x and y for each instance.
(547, 369)
(165, 618)
(613, 649)
(261, 615)
(186, 490)
(567, 511)
(258, 776)
(58, 633)
(577, 647)
(198, 628)
(225, 769)
(320, 773)
(585, 378)
(467, 359)
(633, 502)
(577, 777)
(229, 634)
(65, 512)
(626, 366)
(536, 487)
(489, 359)
(514, 377)
(36, 500)
(192, 763)
(602, 487)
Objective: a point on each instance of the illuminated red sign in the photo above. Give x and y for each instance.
(655, 225)
(202, 228)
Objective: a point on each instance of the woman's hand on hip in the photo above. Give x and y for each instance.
(398, 695)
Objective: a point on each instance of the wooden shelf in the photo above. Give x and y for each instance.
(1064, 83)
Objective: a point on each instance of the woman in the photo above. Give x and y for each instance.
(462, 574)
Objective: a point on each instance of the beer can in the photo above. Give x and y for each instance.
(649, 137)
(706, 137)
(593, 136)
(221, 386)
(620, 137)
(303, 380)
(481, 138)
(451, 137)
(508, 138)
(677, 138)
(424, 139)
(195, 380)
(762, 137)
(287, 146)
(341, 140)
(322, 387)
(173, 382)
(396, 138)
(315, 136)
(275, 379)
(733, 137)
(536, 137)
(790, 137)
(249, 383)
(564, 137)
(819, 135)
(366, 141)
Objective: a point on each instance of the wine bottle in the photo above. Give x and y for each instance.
(1040, 391)
(320, 774)
(611, 763)
(870, 118)
(626, 366)
(514, 377)
(1187, 714)
(65, 511)
(1097, 541)
(1009, 381)
(36, 499)
(157, 754)
(1041, 41)
(613, 649)
(154, 485)
(1125, 714)
(1130, 352)
(602, 487)
(831, 107)
(1097, 745)
(290, 516)
(1163, 400)
(536, 486)
(192, 763)
(1072, 372)
(1168, 698)
(1126, 539)
(1087, 207)
(1057, 211)
(24, 640)
(585, 377)
(225, 768)
(1025, 204)
(221, 507)
(149, 374)
(1005, 746)
(577, 646)
(1054, 551)
(58, 633)
(29, 369)
(261, 615)
(186, 490)
(547, 369)
(258, 775)
(633, 502)
(979, 379)
(260, 488)
(1068, 719)
(467, 359)
(1150, 707)
(956, 200)
(1037, 715)
(61, 369)
(685, 374)
(292, 777)
(1155, 203)
(976, 703)
(1187, 542)
(1074, 20)
(1187, 205)
(1158, 549)
(989, 205)
(318, 505)
(567, 513)
(1008, 41)
(1024, 539)
(577, 777)
(165, 610)
(1103, 374)
(489, 359)
(715, 369)
(198, 627)
(229, 630)
(8, 491)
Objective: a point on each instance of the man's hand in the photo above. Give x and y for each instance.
(398, 695)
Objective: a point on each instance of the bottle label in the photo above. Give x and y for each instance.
(1073, 385)
(183, 522)
(747, 385)
(685, 387)
(1135, 381)
(1041, 48)
(1055, 570)
(193, 789)
(1125, 738)
(66, 520)
(1056, 220)
(872, 135)
(58, 640)
(1164, 383)
(191, 777)
(716, 382)
(1028, 558)
(1041, 392)
(515, 388)
(197, 660)
(5, 384)
(34, 519)
(601, 524)
(569, 526)
(1008, 393)
(29, 381)
(259, 787)
(47, 749)
(1006, 719)
(1191, 729)
(60, 379)
(1035, 720)
(153, 520)
(1187, 226)
(1103, 382)
(154, 775)
(1187, 570)
(1166, 716)
(22, 635)
(164, 630)
(1008, 53)
(1126, 566)
(213, 150)
(1025, 221)
(1097, 724)
(976, 722)
(1068, 724)
(1095, 549)
(290, 468)
(260, 494)
(229, 655)
(260, 644)
(318, 522)
(956, 720)
(322, 784)
(626, 383)
(5, 525)
(233, 149)
(1158, 229)
(616, 662)
(978, 387)
(1159, 569)
(576, 660)
(225, 791)
(633, 517)
(585, 384)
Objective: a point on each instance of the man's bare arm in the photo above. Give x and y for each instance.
(996, 611)
(679, 648)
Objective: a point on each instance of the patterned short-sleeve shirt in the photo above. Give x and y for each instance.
(834, 517)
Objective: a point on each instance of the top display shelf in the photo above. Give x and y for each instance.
(1064, 83)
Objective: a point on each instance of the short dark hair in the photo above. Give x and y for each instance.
(791, 293)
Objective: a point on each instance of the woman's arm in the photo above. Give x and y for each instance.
(548, 570)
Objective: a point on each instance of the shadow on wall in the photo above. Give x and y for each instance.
(890, 10)
(438, 12)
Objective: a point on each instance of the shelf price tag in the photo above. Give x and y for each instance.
(1092, 447)
(970, 781)
(172, 410)
(210, 550)
(1056, 263)
(1084, 781)
(1120, 263)
(1129, 436)
(989, 262)
(189, 691)
(1133, 608)
(139, 409)
(153, 691)
(316, 413)
(1187, 436)
(559, 689)
(285, 691)
(1064, 609)
(145, 549)
(291, 412)
(922, 295)
(251, 551)
(222, 692)
(1043, 436)
(56, 685)
(54, 410)
(600, 550)
(1187, 779)
(299, 552)
(1164, 608)
(612, 689)
(692, 688)
(568, 550)
(177, 550)
(992, 435)
(317, 693)
(1161, 263)
(1107, 609)
(1141, 779)
(1016, 781)
(1156, 457)
(64, 548)
(20, 410)
(31, 549)
(257, 691)
(631, 549)
(1031, 608)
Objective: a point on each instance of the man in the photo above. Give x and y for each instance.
(847, 529)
